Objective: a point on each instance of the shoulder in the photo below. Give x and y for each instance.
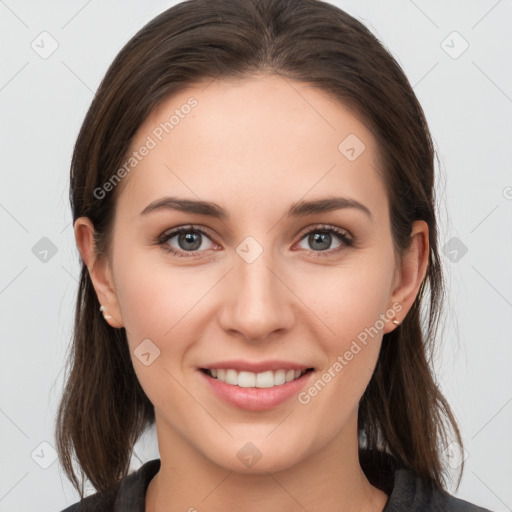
(407, 491)
(412, 493)
(94, 503)
(128, 496)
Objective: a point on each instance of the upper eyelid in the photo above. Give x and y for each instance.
(185, 227)
(325, 227)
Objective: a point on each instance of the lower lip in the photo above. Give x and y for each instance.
(256, 399)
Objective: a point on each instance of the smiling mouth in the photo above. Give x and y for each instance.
(244, 379)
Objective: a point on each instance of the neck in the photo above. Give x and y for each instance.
(331, 480)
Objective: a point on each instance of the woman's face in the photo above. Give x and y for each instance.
(265, 288)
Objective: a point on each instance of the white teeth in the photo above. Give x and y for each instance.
(279, 377)
(246, 379)
(267, 379)
(231, 377)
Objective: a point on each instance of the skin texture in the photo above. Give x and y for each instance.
(254, 147)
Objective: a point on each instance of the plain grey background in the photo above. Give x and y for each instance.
(456, 54)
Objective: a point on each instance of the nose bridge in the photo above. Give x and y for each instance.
(256, 281)
(258, 303)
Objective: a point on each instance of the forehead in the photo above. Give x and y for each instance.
(253, 138)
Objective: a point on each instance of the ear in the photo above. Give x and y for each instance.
(99, 269)
(410, 272)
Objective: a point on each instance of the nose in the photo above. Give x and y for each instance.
(257, 301)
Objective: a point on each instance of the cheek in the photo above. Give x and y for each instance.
(155, 298)
(352, 303)
(350, 298)
(161, 309)
(351, 353)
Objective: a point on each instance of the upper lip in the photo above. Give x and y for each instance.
(254, 367)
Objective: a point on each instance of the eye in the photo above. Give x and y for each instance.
(320, 239)
(190, 241)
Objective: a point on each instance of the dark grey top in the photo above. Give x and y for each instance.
(406, 491)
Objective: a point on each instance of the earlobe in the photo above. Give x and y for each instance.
(412, 270)
(99, 271)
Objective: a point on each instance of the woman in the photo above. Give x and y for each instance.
(252, 196)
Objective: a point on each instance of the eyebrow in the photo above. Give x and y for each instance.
(298, 209)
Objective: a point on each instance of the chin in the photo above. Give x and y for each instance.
(258, 456)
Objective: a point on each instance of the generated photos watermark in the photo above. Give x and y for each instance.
(151, 142)
(305, 397)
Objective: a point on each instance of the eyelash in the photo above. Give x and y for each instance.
(341, 234)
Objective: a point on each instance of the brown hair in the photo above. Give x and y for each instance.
(104, 409)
